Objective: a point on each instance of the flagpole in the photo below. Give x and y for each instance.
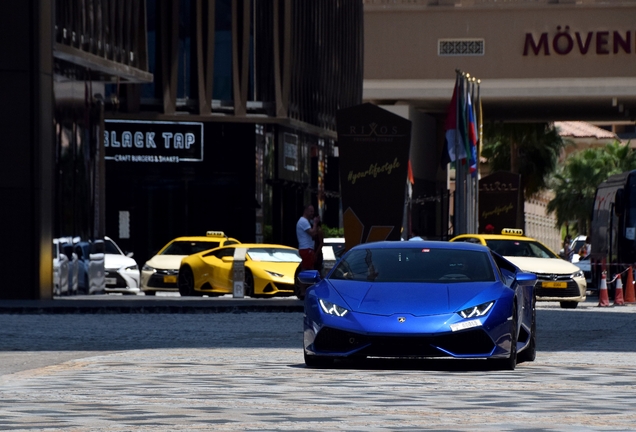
(459, 210)
(480, 143)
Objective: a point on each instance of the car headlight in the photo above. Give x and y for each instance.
(476, 311)
(332, 309)
(132, 267)
(578, 274)
(146, 267)
(278, 275)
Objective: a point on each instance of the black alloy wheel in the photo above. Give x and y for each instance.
(186, 282)
(530, 353)
(248, 284)
(511, 362)
(299, 288)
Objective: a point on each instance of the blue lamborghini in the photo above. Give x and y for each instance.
(420, 299)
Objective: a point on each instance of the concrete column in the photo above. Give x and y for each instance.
(26, 149)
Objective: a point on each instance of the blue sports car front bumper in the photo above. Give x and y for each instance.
(405, 335)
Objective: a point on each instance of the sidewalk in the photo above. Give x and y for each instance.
(149, 304)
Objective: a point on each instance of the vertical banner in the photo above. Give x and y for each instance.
(500, 202)
(374, 147)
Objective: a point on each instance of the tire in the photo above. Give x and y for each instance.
(511, 362)
(186, 282)
(150, 293)
(530, 353)
(318, 362)
(248, 284)
(569, 304)
(299, 289)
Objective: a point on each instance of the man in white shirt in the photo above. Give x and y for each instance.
(305, 233)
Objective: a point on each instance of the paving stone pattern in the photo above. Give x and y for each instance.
(245, 371)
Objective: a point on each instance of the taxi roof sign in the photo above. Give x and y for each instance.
(512, 231)
(215, 234)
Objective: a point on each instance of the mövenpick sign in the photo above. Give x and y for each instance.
(565, 41)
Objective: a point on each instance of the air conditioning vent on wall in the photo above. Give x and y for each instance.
(460, 47)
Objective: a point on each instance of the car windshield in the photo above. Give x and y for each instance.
(189, 247)
(576, 245)
(111, 248)
(415, 265)
(520, 248)
(274, 255)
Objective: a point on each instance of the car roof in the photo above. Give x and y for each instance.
(494, 237)
(209, 238)
(431, 244)
(333, 240)
(258, 245)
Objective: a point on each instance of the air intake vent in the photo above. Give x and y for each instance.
(460, 47)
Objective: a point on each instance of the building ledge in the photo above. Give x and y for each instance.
(101, 69)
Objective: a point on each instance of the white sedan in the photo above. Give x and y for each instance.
(122, 271)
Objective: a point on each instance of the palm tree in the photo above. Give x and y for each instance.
(575, 184)
(529, 149)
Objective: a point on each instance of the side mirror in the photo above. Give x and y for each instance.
(619, 202)
(309, 277)
(130, 254)
(526, 279)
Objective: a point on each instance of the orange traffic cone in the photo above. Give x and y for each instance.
(630, 296)
(603, 297)
(618, 295)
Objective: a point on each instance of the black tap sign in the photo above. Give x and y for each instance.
(140, 141)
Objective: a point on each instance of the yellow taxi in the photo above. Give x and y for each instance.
(557, 279)
(160, 272)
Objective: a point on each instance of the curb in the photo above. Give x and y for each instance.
(142, 306)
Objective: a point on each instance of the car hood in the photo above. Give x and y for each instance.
(166, 262)
(112, 261)
(418, 299)
(543, 265)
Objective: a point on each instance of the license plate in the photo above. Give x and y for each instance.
(169, 279)
(110, 281)
(554, 284)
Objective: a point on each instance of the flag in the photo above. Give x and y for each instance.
(480, 123)
(472, 136)
(454, 145)
(410, 173)
(463, 118)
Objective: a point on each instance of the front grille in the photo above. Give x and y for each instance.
(119, 281)
(572, 289)
(285, 287)
(156, 280)
(462, 343)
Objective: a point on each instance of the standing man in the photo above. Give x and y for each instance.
(305, 233)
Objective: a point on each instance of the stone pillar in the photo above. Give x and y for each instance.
(26, 149)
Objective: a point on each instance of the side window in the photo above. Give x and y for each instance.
(229, 242)
(222, 252)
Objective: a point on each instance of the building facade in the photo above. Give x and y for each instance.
(237, 131)
(536, 61)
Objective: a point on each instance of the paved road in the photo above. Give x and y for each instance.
(244, 371)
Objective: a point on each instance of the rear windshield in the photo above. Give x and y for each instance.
(518, 248)
(415, 265)
(189, 247)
